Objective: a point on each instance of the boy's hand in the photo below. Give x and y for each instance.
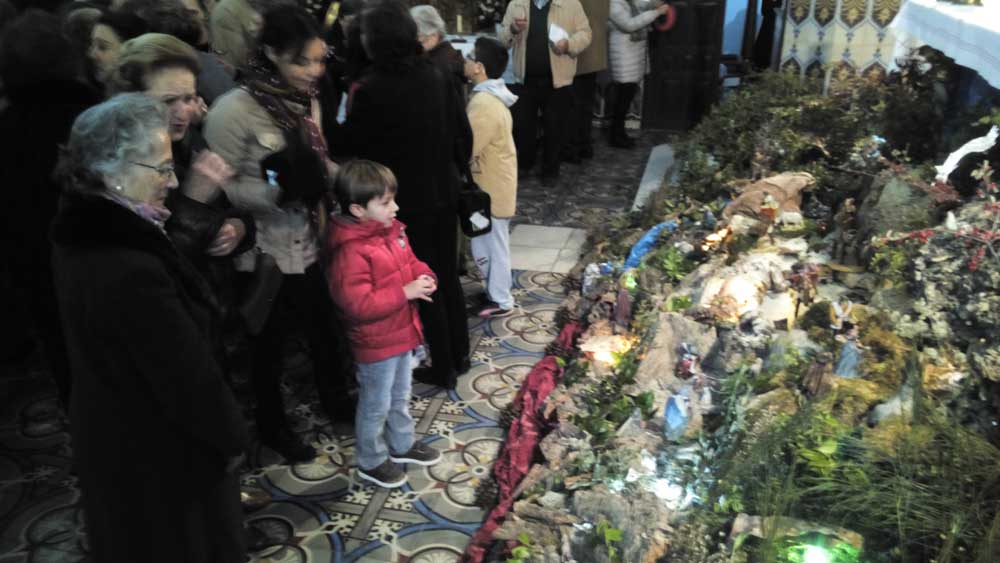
(420, 288)
(430, 280)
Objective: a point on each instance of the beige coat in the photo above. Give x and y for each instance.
(595, 57)
(243, 133)
(234, 25)
(494, 159)
(567, 14)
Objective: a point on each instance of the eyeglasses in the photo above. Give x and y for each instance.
(165, 171)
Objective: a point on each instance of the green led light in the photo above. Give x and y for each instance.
(813, 554)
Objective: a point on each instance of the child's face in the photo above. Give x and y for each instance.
(382, 209)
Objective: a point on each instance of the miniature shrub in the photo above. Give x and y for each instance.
(779, 122)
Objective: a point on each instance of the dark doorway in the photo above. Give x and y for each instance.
(684, 61)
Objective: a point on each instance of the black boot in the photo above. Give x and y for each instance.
(620, 139)
(624, 92)
(286, 443)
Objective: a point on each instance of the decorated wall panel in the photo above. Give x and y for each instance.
(837, 39)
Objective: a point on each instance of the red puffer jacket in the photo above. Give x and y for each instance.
(370, 263)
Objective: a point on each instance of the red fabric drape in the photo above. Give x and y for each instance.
(523, 437)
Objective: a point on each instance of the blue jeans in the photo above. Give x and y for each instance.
(383, 423)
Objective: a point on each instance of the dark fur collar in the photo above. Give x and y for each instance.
(93, 221)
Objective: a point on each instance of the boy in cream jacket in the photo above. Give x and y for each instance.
(494, 168)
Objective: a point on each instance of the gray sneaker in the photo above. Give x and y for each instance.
(419, 454)
(388, 475)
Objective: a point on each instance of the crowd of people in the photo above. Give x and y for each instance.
(185, 173)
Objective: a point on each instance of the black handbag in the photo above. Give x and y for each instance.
(473, 207)
(297, 170)
(260, 293)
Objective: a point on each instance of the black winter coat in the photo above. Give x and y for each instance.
(409, 118)
(153, 422)
(34, 125)
(451, 63)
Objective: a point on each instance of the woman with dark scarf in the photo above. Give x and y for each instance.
(269, 131)
(404, 114)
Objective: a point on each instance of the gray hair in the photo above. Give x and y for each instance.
(428, 20)
(105, 137)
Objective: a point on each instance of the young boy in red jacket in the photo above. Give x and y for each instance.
(376, 279)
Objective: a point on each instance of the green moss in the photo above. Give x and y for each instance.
(884, 360)
(891, 263)
(678, 303)
(818, 315)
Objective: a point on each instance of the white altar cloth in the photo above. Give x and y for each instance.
(968, 34)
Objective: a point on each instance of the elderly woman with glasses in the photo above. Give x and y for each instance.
(156, 432)
(431, 32)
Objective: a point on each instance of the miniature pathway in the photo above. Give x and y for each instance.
(320, 512)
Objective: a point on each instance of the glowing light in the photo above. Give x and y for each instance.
(603, 348)
(604, 356)
(715, 239)
(744, 293)
(814, 554)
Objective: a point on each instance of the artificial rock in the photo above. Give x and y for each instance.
(893, 205)
(656, 373)
(642, 517)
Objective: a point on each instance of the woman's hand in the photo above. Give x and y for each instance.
(228, 238)
(208, 172)
(201, 110)
(420, 288)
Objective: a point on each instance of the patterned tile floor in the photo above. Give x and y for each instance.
(321, 513)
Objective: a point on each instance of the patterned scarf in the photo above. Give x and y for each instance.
(286, 105)
(289, 107)
(153, 213)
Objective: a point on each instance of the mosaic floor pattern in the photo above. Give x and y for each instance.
(321, 513)
(587, 192)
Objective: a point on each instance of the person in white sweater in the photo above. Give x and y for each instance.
(627, 45)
